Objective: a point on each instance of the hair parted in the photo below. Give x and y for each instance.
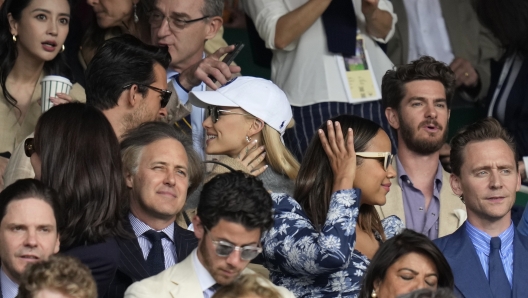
(235, 197)
(63, 274)
(118, 62)
(213, 8)
(31, 188)
(9, 52)
(314, 183)
(393, 249)
(247, 285)
(80, 157)
(425, 68)
(483, 130)
(147, 133)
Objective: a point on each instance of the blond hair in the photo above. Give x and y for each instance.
(277, 155)
(59, 273)
(247, 284)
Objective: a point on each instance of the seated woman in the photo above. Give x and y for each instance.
(247, 119)
(407, 262)
(322, 239)
(32, 34)
(75, 151)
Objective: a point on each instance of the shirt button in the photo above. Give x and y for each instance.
(421, 208)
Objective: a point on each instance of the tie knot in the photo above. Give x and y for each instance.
(495, 243)
(215, 287)
(154, 236)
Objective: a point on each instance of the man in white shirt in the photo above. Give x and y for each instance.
(28, 230)
(184, 26)
(233, 212)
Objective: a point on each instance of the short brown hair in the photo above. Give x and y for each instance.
(63, 274)
(247, 284)
(425, 68)
(483, 130)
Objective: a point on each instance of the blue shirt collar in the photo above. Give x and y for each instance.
(403, 175)
(140, 227)
(9, 287)
(481, 240)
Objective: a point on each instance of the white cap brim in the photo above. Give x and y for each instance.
(203, 99)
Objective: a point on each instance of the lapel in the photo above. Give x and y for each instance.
(185, 280)
(394, 202)
(402, 28)
(185, 242)
(470, 279)
(520, 265)
(131, 261)
(452, 210)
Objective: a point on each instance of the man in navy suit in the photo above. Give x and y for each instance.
(161, 168)
(487, 255)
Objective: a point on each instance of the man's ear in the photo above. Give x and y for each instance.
(57, 244)
(256, 126)
(129, 179)
(198, 227)
(392, 117)
(456, 185)
(13, 25)
(212, 28)
(133, 97)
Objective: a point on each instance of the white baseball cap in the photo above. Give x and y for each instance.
(259, 97)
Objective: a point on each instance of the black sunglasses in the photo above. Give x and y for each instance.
(165, 94)
(29, 147)
(214, 111)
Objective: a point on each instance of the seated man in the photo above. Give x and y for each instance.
(417, 98)
(233, 212)
(161, 169)
(487, 255)
(29, 230)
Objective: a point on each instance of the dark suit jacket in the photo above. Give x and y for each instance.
(101, 258)
(470, 279)
(132, 266)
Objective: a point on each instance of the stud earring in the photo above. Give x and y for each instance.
(136, 18)
(373, 295)
(63, 48)
(14, 38)
(248, 139)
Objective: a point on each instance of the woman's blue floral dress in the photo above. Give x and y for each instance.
(318, 264)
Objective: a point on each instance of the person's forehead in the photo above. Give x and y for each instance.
(497, 149)
(235, 233)
(167, 149)
(180, 6)
(29, 210)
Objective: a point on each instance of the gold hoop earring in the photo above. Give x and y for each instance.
(63, 48)
(136, 18)
(373, 295)
(14, 38)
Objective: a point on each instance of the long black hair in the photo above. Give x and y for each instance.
(8, 48)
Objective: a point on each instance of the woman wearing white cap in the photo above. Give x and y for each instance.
(246, 122)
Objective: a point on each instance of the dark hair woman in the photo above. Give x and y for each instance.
(76, 152)
(32, 34)
(405, 263)
(322, 240)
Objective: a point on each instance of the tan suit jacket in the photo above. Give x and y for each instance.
(452, 210)
(469, 39)
(181, 280)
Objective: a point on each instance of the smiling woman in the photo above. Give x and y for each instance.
(32, 34)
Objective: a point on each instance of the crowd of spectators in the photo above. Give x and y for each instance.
(165, 172)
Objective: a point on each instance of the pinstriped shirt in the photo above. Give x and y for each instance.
(169, 249)
(481, 242)
(9, 287)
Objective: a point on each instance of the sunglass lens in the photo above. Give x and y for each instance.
(249, 253)
(224, 250)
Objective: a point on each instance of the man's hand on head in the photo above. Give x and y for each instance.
(210, 66)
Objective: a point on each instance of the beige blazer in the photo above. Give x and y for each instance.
(469, 40)
(452, 210)
(181, 280)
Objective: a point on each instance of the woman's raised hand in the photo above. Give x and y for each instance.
(251, 157)
(341, 154)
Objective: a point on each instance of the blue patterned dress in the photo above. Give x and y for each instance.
(318, 264)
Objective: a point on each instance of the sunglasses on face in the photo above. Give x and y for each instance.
(224, 249)
(29, 147)
(215, 112)
(165, 94)
(387, 157)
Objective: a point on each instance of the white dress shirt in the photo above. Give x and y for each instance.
(204, 277)
(9, 287)
(427, 31)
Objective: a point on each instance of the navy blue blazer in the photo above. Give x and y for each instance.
(470, 279)
(132, 266)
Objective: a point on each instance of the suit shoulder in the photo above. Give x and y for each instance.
(151, 285)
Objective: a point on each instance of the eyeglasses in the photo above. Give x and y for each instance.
(156, 19)
(29, 147)
(215, 113)
(224, 249)
(165, 94)
(386, 155)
